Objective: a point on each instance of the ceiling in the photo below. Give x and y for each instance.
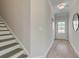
(63, 13)
(54, 3)
(62, 16)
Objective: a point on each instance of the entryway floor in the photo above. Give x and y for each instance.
(62, 49)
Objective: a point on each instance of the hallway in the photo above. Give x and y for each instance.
(28, 28)
(9, 46)
(62, 49)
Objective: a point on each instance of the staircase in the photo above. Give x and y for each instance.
(9, 47)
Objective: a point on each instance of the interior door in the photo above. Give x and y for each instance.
(61, 31)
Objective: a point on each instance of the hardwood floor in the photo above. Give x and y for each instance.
(62, 49)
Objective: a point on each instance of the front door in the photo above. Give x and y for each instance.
(61, 31)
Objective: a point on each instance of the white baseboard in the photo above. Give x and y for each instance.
(76, 51)
(21, 44)
(46, 53)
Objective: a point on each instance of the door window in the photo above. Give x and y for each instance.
(61, 27)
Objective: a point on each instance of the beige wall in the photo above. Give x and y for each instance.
(17, 15)
(40, 27)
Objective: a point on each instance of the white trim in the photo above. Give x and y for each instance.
(26, 52)
(76, 51)
(46, 53)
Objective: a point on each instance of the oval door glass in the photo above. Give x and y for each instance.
(75, 22)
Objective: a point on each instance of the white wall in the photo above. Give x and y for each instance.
(74, 36)
(40, 27)
(17, 14)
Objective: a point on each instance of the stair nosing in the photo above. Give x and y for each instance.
(2, 23)
(7, 39)
(4, 30)
(8, 46)
(6, 34)
(23, 57)
(9, 50)
(5, 55)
